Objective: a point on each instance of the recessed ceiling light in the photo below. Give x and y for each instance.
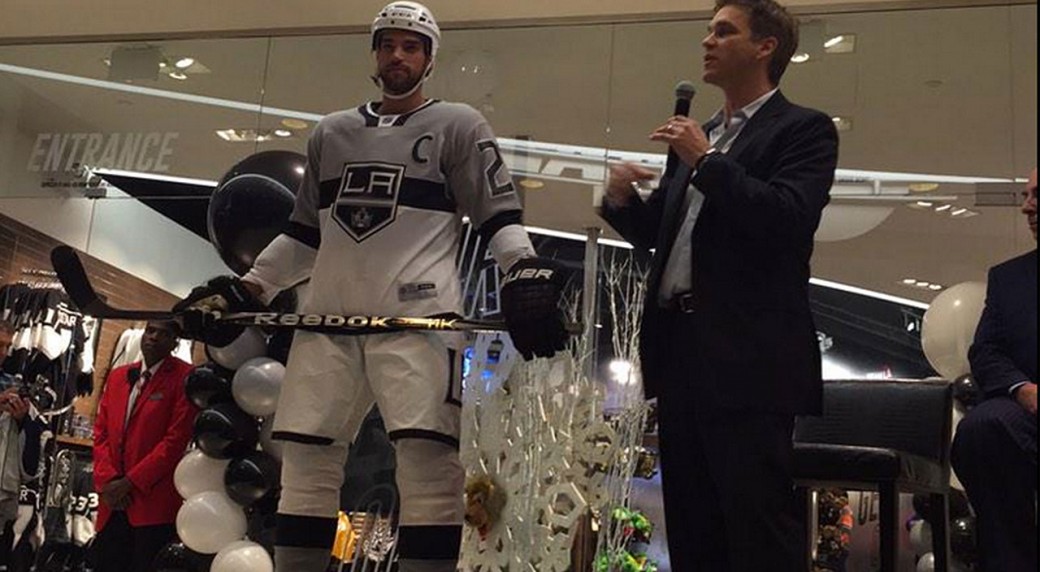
(935, 286)
(184, 63)
(833, 41)
(924, 204)
(922, 283)
(943, 207)
(283, 133)
(800, 58)
(531, 183)
(923, 187)
(294, 123)
(956, 212)
(909, 281)
(841, 44)
(178, 75)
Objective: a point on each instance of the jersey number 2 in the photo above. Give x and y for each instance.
(493, 171)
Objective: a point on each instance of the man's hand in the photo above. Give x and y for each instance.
(1026, 397)
(13, 404)
(685, 137)
(116, 493)
(621, 185)
(531, 306)
(220, 294)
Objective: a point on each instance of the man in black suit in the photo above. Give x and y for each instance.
(994, 451)
(728, 343)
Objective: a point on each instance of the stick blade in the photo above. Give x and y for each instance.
(73, 277)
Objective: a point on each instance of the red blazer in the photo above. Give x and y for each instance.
(148, 450)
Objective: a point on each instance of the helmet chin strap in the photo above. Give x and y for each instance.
(396, 96)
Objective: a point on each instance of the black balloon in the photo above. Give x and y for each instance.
(252, 477)
(209, 384)
(224, 431)
(251, 205)
(966, 391)
(176, 557)
(962, 539)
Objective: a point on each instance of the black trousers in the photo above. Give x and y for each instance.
(994, 456)
(729, 499)
(120, 547)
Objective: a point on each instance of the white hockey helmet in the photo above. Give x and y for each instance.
(410, 16)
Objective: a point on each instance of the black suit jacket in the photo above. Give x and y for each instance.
(753, 342)
(1004, 351)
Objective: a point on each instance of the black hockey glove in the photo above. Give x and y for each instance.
(220, 294)
(531, 306)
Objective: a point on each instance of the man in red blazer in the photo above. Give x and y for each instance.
(143, 425)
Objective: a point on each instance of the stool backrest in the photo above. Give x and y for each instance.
(910, 416)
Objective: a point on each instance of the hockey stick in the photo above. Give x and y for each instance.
(77, 285)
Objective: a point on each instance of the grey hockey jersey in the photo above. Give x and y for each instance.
(378, 217)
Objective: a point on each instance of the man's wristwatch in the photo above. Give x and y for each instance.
(711, 151)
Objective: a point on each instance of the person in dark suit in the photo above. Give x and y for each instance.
(994, 450)
(143, 425)
(728, 344)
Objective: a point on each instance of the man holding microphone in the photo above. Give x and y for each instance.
(728, 344)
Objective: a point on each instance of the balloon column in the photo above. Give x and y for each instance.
(227, 480)
(961, 529)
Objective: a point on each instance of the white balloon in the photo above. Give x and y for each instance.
(949, 327)
(251, 344)
(197, 473)
(269, 445)
(242, 556)
(210, 521)
(921, 536)
(257, 384)
(926, 563)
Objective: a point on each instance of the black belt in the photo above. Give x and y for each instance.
(683, 303)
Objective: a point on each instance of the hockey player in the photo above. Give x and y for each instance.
(375, 227)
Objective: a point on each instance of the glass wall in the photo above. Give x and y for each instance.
(936, 108)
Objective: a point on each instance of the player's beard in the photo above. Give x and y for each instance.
(398, 83)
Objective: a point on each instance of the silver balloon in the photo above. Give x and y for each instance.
(949, 327)
(242, 556)
(209, 521)
(251, 344)
(921, 536)
(926, 563)
(257, 384)
(197, 473)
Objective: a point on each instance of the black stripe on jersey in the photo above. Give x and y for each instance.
(301, 438)
(429, 542)
(427, 195)
(306, 234)
(416, 193)
(423, 434)
(500, 220)
(305, 531)
(369, 112)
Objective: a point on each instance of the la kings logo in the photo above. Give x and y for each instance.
(367, 199)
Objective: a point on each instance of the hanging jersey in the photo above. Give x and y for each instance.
(382, 204)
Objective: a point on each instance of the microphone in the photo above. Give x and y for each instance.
(684, 92)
